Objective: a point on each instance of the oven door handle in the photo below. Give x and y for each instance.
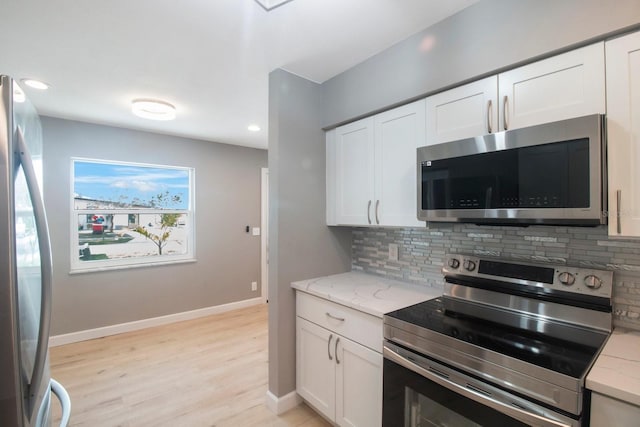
(471, 393)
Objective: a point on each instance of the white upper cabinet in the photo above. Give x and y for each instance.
(371, 169)
(561, 87)
(623, 139)
(354, 173)
(398, 133)
(463, 112)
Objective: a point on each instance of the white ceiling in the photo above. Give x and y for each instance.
(209, 58)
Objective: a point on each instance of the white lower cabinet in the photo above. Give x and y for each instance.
(609, 412)
(339, 377)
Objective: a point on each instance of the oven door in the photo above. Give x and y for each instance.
(418, 392)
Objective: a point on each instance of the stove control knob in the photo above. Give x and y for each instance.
(454, 263)
(593, 282)
(469, 265)
(566, 278)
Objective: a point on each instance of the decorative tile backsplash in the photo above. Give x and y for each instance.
(421, 251)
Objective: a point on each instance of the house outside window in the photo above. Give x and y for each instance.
(130, 214)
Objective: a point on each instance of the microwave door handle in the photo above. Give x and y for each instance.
(472, 393)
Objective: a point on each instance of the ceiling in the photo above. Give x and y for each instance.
(209, 58)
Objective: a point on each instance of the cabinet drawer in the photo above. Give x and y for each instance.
(353, 324)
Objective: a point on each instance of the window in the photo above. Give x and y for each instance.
(130, 214)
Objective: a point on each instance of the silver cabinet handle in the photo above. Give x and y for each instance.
(46, 268)
(336, 351)
(369, 212)
(505, 101)
(340, 319)
(618, 203)
(489, 116)
(329, 347)
(377, 205)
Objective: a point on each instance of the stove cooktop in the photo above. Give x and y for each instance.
(561, 356)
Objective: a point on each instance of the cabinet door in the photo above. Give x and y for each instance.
(354, 151)
(358, 385)
(315, 366)
(562, 87)
(623, 128)
(398, 133)
(608, 412)
(463, 112)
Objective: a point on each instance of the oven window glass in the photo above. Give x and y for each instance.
(421, 411)
(554, 175)
(410, 400)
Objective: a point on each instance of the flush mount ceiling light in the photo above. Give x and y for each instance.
(253, 128)
(35, 84)
(153, 109)
(271, 4)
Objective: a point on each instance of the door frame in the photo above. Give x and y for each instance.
(264, 235)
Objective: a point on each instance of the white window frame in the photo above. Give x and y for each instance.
(80, 266)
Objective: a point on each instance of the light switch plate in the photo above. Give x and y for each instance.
(256, 231)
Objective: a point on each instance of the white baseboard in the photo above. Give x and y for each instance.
(105, 331)
(280, 405)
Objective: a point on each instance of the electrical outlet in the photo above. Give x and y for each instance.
(393, 252)
(254, 286)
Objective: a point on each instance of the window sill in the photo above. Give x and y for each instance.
(98, 269)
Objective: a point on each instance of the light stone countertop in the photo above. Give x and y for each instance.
(616, 372)
(371, 294)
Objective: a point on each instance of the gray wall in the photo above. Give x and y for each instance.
(227, 200)
(480, 40)
(301, 246)
(421, 252)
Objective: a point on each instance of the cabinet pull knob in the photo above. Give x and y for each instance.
(340, 319)
(369, 212)
(489, 116)
(377, 205)
(335, 351)
(329, 347)
(618, 203)
(505, 101)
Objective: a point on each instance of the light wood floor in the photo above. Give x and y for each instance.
(205, 372)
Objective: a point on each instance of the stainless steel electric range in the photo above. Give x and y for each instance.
(508, 344)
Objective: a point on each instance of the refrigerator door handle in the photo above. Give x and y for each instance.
(65, 401)
(24, 159)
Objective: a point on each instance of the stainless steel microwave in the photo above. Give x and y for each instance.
(552, 174)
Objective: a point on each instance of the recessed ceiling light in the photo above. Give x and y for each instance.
(271, 4)
(18, 93)
(36, 84)
(153, 109)
(253, 128)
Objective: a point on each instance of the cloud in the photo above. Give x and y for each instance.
(142, 186)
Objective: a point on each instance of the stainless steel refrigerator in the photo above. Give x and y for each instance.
(25, 269)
